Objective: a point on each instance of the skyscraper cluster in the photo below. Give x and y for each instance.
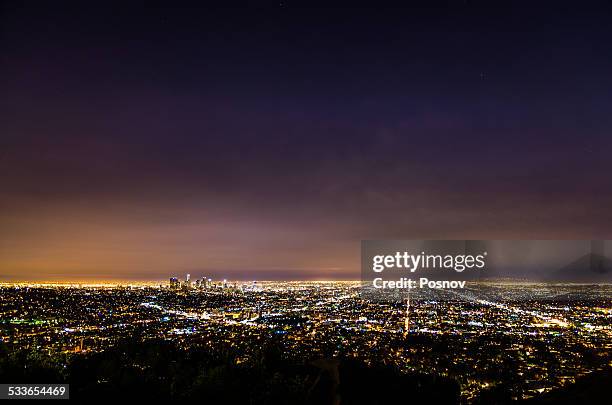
(205, 283)
(188, 284)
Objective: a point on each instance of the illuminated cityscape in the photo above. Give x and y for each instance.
(523, 339)
(306, 203)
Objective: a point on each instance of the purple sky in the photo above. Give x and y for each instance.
(266, 142)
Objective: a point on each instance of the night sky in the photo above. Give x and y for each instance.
(266, 141)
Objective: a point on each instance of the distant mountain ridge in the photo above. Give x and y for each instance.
(591, 267)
